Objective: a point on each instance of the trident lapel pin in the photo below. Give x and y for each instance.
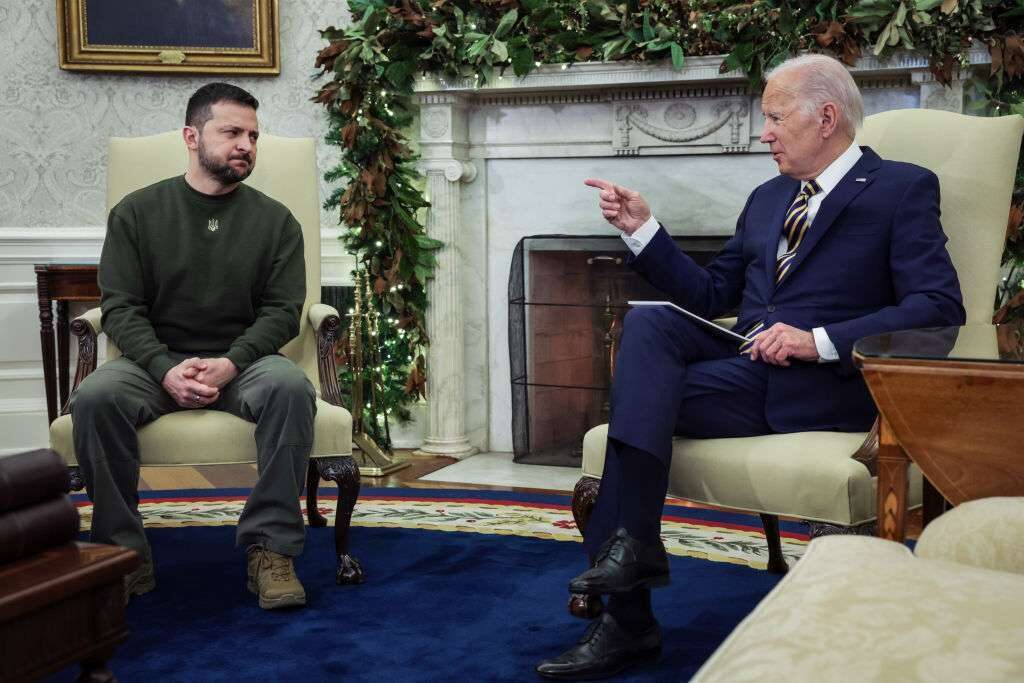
(213, 225)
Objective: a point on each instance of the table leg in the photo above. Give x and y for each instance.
(63, 333)
(892, 485)
(46, 340)
(934, 503)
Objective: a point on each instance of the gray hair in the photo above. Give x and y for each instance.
(824, 79)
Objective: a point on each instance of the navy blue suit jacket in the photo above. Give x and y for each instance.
(874, 260)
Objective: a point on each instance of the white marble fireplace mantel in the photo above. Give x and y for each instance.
(507, 159)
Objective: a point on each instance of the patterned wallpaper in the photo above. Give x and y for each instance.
(54, 124)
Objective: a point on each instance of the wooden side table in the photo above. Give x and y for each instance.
(951, 400)
(63, 283)
(63, 606)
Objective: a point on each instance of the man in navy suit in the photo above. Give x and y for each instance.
(841, 245)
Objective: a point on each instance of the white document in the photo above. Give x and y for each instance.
(703, 321)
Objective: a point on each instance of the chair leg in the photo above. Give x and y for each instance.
(75, 481)
(94, 668)
(345, 473)
(584, 496)
(776, 561)
(934, 504)
(312, 486)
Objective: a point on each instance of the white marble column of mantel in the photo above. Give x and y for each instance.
(445, 374)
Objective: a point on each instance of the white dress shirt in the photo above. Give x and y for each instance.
(827, 181)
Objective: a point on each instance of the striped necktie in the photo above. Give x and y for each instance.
(794, 228)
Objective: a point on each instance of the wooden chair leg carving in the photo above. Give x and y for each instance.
(344, 472)
(312, 486)
(819, 529)
(776, 561)
(584, 496)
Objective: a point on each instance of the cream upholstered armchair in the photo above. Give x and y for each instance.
(286, 171)
(828, 478)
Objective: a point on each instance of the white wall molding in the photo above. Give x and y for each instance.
(28, 246)
(41, 244)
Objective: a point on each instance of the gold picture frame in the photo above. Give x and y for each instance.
(183, 36)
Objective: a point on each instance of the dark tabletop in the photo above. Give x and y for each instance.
(978, 343)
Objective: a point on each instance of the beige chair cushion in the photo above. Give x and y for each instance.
(203, 437)
(985, 533)
(864, 609)
(808, 475)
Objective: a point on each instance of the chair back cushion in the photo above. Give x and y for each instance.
(285, 170)
(975, 159)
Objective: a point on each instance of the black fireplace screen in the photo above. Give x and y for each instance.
(566, 298)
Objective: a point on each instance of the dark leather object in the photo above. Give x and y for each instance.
(624, 564)
(31, 477)
(35, 528)
(604, 650)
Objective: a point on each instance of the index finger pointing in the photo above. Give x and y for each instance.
(598, 183)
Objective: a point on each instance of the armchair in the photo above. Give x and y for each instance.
(828, 478)
(287, 172)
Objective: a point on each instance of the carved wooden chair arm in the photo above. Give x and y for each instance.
(868, 451)
(326, 322)
(87, 327)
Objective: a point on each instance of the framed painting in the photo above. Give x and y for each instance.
(169, 36)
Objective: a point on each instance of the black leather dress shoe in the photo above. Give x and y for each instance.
(604, 650)
(624, 564)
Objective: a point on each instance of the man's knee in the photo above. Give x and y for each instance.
(94, 396)
(647, 319)
(287, 382)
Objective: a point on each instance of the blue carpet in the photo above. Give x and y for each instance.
(436, 606)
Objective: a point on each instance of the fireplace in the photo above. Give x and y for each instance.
(567, 297)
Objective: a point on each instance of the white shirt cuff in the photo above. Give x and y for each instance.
(826, 349)
(641, 236)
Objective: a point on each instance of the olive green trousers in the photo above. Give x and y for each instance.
(119, 397)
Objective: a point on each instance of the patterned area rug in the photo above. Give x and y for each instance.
(689, 532)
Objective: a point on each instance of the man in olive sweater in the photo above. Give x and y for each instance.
(202, 281)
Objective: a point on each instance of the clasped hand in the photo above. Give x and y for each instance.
(196, 382)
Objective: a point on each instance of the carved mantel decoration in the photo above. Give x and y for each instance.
(478, 142)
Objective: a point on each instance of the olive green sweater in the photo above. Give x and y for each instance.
(202, 275)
